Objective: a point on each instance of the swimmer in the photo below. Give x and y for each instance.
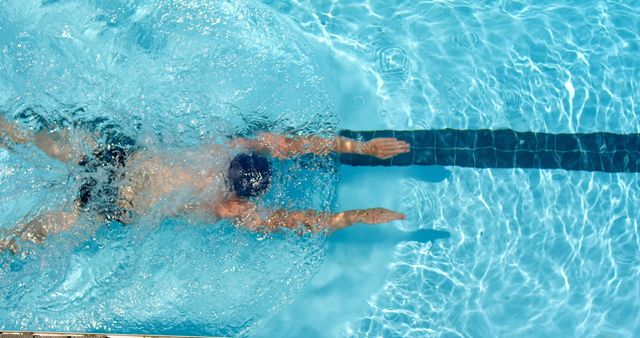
(120, 181)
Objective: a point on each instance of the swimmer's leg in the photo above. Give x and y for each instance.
(64, 145)
(37, 229)
(9, 132)
(57, 144)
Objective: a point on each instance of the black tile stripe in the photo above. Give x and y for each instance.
(505, 148)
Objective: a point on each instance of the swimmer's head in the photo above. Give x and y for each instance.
(250, 174)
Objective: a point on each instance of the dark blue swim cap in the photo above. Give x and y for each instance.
(250, 174)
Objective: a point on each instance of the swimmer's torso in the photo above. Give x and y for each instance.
(172, 182)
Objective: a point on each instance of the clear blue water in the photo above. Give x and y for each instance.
(528, 253)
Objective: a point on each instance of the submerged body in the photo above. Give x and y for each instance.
(124, 182)
(174, 182)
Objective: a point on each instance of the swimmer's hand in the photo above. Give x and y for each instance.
(384, 148)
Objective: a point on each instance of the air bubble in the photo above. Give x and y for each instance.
(392, 60)
(359, 101)
(511, 99)
(467, 40)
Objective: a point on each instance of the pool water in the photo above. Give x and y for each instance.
(170, 75)
(512, 252)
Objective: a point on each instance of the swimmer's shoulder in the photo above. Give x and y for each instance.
(210, 157)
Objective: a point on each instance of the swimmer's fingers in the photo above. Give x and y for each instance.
(385, 148)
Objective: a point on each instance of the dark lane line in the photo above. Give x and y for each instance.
(505, 148)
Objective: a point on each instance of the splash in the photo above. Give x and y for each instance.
(182, 73)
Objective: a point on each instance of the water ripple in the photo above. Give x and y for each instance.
(467, 40)
(535, 243)
(420, 204)
(392, 60)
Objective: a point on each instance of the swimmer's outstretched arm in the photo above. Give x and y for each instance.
(247, 214)
(283, 147)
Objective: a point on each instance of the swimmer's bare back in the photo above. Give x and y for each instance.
(172, 183)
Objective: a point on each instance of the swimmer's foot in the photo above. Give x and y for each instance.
(10, 246)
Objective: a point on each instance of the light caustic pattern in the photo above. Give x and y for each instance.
(171, 74)
(533, 253)
(566, 66)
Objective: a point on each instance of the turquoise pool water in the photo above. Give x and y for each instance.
(514, 252)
